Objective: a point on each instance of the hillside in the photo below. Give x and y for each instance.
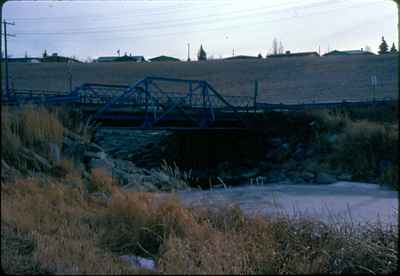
(288, 80)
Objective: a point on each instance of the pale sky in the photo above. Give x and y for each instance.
(151, 28)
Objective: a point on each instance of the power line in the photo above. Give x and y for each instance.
(157, 26)
(120, 16)
(172, 10)
(212, 29)
(179, 21)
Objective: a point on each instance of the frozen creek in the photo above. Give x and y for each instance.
(357, 203)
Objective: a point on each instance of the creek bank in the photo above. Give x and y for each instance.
(341, 202)
(232, 158)
(86, 157)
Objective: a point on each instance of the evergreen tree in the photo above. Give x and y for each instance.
(393, 49)
(201, 55)
(383, 48)
(259, 55)
(45, 53)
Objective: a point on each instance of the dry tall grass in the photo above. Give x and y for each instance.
(59, 230)
(31, 127)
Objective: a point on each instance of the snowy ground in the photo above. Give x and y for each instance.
(357, 203)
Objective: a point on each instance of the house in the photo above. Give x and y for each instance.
(164, 59)
(56, 58)
(25, 60)
(348, 53)
(130, 58)
(106, 59)
(299, 54)
(241, 57)
(121, 59)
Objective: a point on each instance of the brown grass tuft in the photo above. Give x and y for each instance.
(100, 181)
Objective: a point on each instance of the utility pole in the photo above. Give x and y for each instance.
(188, 59)
(1, 49)
(255, 95)
(233, 52)
(5, 23)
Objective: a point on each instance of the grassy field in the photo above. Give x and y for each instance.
(287, 80)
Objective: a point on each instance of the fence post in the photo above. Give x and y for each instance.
(255, 95)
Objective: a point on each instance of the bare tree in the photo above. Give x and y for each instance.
(367, 48)
(281, 49)
(275, 46)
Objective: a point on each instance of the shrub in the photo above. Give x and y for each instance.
(330, 120)
(363, 145)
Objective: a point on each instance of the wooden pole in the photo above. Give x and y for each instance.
(255, 95)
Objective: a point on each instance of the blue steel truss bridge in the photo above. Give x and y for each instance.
(165, 103)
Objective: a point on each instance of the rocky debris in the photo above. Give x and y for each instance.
(92, 147)
(136, 262)
(331, 137)
(74, 148)
(142, 147)
(300, 152)
(325, 178)
(8, 173)
(276, 142)
(250, 174)
(4, 165)
(276, 176)
(285, 146)
(308, 176)
(384, 165)
(265, 166)
(55, 153)
(131, 177)
(345, 177)
(100, 196)
(98, 155)
(37, 161)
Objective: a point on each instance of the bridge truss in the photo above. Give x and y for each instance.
(165, 103)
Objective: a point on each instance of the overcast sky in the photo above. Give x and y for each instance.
(151, 28)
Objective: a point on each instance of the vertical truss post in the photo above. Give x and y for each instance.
(204, 120)
(190, 92)
(146, 89)
(255, 95)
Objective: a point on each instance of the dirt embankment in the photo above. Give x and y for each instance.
(287, 80)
